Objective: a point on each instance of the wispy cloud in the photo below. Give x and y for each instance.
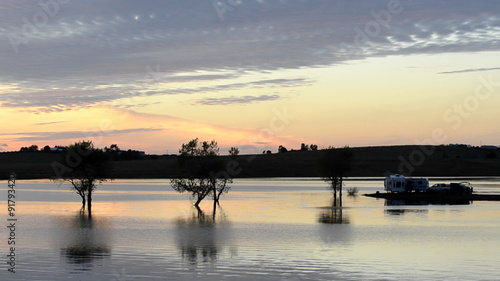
(55, 100)
(49, 123)
(470, 70)
(50, 136)
(236, 100)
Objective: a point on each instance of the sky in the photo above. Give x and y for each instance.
(254, 74)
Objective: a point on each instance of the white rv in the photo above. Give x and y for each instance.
(399, 183)
(395, 183)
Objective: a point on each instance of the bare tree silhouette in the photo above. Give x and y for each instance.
(202, 172)
(83, 166)
(334, 166)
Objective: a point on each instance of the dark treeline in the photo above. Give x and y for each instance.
(113, 151)
(449, 160)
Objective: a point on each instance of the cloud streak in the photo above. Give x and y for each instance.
(55, 100)
(51, 136)
(49, 123)
(470, 70)
(237, 100)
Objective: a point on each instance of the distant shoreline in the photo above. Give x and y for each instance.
(368, 162)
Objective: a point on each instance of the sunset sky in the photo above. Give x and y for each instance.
(255, 74)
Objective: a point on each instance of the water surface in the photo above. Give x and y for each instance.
(265, 229)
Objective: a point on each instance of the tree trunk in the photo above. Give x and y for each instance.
(218, 197)
(214, 190)
(340, 189)
(198, 200)
(334, 193)
(83, 202)
(200, 213)
(215, 208)
(82, 195)
(89, 202)
(340, 197)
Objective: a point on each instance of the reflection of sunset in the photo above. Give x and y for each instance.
(266, 224)
(137, 209)
(154, 200)
(259, 207)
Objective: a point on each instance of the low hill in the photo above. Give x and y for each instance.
(367, 162)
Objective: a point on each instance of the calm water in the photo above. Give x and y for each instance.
(270, 229)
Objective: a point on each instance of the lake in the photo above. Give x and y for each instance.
(265, 229)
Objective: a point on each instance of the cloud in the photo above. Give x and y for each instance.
(470, 70)
(266, 83)
(93, 51)
(153, 133)
(73, 98)
(49, 123)
(48, 136)
(97, 38)
(236, 100)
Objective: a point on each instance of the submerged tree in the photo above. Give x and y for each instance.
(84, 167)
(334, 166)
(202, 171)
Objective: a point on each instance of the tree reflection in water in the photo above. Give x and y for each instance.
(84, 241)
(201, 237)
(334, 228)
(333, 215)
